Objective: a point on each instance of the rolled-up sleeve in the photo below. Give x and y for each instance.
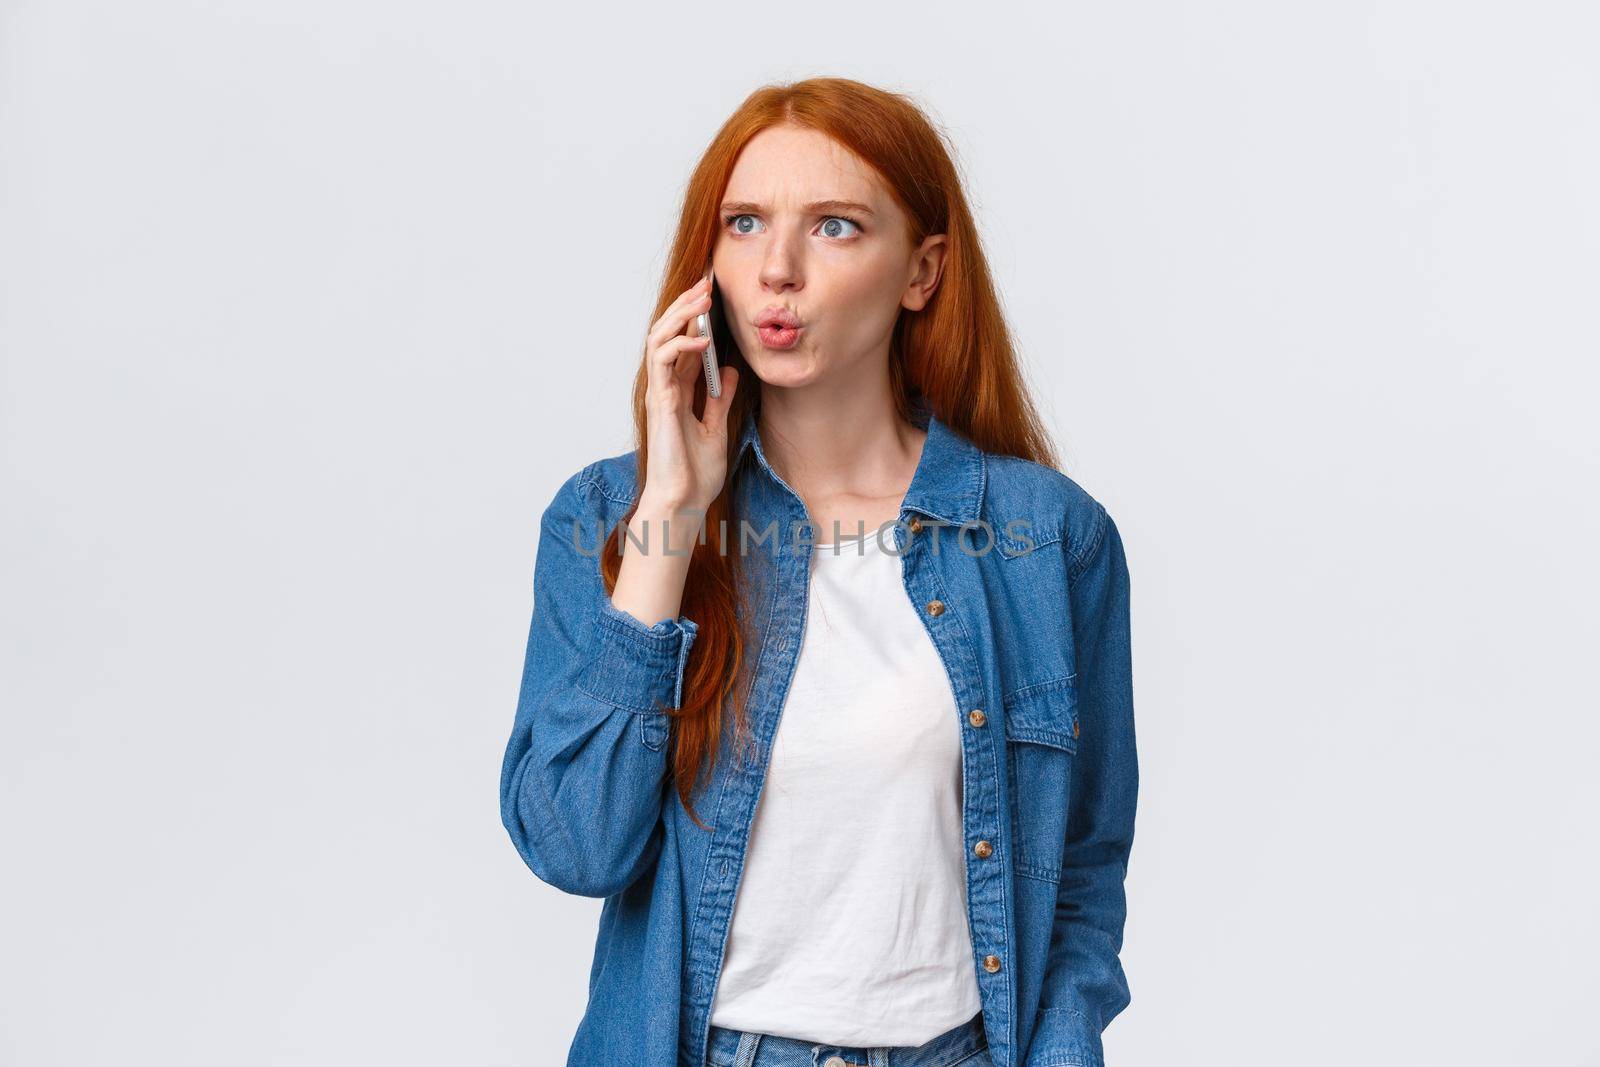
(634, 666)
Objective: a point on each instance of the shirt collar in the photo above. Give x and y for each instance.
(949, 481)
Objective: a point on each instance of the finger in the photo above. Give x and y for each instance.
(677, 323)
(671, 359)
(677, 317)
(689, 296)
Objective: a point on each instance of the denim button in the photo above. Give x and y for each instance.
(976, 717)
(983, 850)
(991, 963)
(935, 607)
(835, 1061)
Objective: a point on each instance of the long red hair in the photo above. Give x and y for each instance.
(956, 352)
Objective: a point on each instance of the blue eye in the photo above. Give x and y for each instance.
(830, 226)
(732, 219)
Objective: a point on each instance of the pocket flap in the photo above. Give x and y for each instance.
(1045, 713)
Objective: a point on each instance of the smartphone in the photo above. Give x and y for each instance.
(706, 326)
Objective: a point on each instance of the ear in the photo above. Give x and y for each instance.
(927, 264)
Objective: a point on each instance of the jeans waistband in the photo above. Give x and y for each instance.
(741, 1048)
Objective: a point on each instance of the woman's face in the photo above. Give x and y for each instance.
(843, 270)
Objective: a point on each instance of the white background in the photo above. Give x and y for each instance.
(307, 308)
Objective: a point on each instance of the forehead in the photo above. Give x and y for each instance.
(789, 165)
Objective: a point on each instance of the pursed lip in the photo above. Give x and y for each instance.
(780, 317)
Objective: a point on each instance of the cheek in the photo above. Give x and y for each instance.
(870, 297)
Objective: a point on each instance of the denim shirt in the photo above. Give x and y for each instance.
(1031, 621)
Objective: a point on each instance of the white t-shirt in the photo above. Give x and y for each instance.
(850, 925)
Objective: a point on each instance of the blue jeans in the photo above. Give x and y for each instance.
(965, 1045)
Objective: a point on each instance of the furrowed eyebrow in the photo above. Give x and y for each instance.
(733, 206)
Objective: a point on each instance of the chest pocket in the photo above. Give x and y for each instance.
(1042, 743)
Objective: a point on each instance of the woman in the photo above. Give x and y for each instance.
(915, 744)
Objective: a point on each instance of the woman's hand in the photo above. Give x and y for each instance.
(688, 457)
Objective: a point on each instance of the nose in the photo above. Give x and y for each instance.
(780, 265)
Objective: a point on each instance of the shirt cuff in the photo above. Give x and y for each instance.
(635, 666)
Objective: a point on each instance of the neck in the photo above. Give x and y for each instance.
(841, 444)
